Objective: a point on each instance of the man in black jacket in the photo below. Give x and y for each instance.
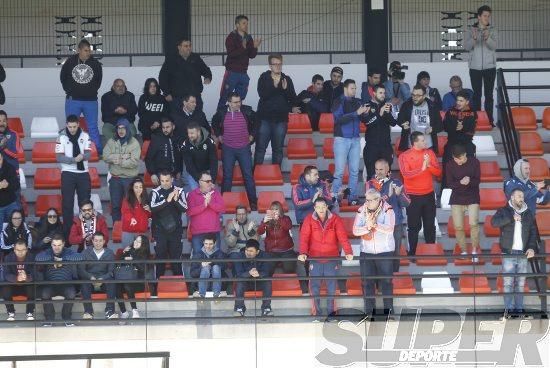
(333, 88)
(20, 274)
(518, 236)
(182, 75)
(189, 113)
(419, 114)
(81, 76)
(116, 104)
(199, 155)
(311, 101)
(9, 185)
(379, 121)
(168, 204)
(235, 128)
(164, 153)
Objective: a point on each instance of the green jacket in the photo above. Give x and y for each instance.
(128, 155)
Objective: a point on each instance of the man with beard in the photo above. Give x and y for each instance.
(164, 153)
(311, 101)
(333, 88)
(199, 155)
(118, 104)
(367, 88)
(189, 113)
(85, 225)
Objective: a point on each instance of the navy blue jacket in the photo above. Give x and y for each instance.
(302, 195)
(346, 120)
(196, 266)
(530, 192)
(66, 272)
(242, 269)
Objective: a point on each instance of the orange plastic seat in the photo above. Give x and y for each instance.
(268, 174)
(328, 150)
(488, 229)
(524, 118)
(546, 118)
(539, 169)
(15, 124)
(451, 227)
(490, 172)
(94, 177)
(491, 198)
(300, 148)
(496, 254)
(543, 222)
(45, 202)
(117, 232)
(83, 124)
(466, 261)
(147, 180)
(172, 287)
(98, 296)
(348, 224)
(265, 199)
(500, 285)
(473, 283)
(547, 250)
(20, 154)
(47, 178)
(403, 285)
(430, 249)
(232, 199)
(288, 287)
(441, 143)
(144, 148)
(403, 253)
(345, 207)
(94, 156)
(483, 124)
(530, 144)
(296, 171)
(353, 284)
(43, 152)
(299, 124)
(326, 123)
(345, 179)
(19, 298)
(237, 175)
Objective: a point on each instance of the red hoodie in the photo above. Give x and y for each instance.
(137, 212)
(318, 240)
(204, 219)
(418, 181)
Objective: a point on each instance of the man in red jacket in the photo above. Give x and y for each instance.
(86, 224)
(419, 167)
(320, 235)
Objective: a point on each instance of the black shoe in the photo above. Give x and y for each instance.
(239, 312)
(346, 193)
(267, 312)
(253, 206)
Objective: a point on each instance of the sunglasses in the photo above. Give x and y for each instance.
(52, 216)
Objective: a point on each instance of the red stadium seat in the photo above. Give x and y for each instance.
(144, 148)
(47, 178)
(490, 172)
(403, 285)
(296, 171)
(98, 296)
(441, 143)
(543, 222)
(403, 253)
(237, 175)
(539, 169)
(45, 202)
(326, 123)
(451, 226)
(348, 224)
(172, 287)
(299, 124)
(15, 124)
(147, 180)
(328, 150)
(232, 199)
(345, 179)
(268, 174)
(483, 124)
(466, 261)
(500, 285)
(547, 250)
(530, 144)
(117, 232)
(473, 283)
(300, 148)
(94, 156)
(546, 118)
(524, 118)
(288, 287)
(265, 199)
(491, 198)
(430, 249)
(20, 154)
(496, 254)
(83, 124)
(94, 176)
(353, 285)
(488, 229)
(345, 207)
(43, 152)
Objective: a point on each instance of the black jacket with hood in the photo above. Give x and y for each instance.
(504, 219)
(200, 156)
(81, 80)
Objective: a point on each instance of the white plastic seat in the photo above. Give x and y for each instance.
(437, 285)
(437, 230)
(22, 179)
(445, 198)
(485, 146)
(356, 247)
(44, 127)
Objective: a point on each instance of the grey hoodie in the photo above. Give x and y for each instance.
(482, 53)
(517, 171)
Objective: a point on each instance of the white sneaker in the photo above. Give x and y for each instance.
(474, 257)
(11, 317)
(87, 316)
(135, 313)
(30, 317)
(125, 315)
(196, 294)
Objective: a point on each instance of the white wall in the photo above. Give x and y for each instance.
(37, 91)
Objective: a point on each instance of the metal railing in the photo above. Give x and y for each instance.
(165, 355)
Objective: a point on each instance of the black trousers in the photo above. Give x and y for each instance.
(70, 183)
(487, 79)
(168, 246)
(374, 151)
(49, 291)
(420, 212)
(9, 291)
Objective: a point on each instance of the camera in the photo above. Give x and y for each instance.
(396, 70)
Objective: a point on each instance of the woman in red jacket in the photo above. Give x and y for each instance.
(135, 212)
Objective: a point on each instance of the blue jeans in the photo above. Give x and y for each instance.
(233, 81)
(189, 183)
(118, 187)
(244, 157)
(89, 110)
(197, 241)
(215, 272)
(346, 151)
(5, 212)
(328, 269)
(378, 266)
(87, 289)
(514, 283)
(274, 131)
